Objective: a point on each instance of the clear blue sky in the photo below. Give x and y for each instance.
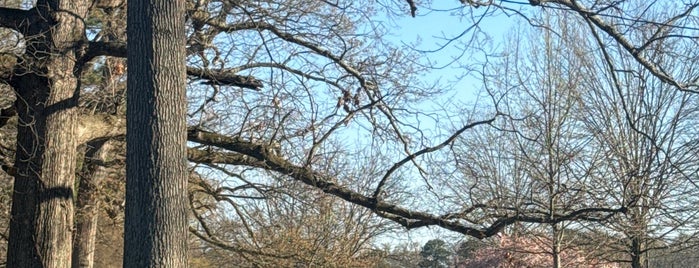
(433, 29)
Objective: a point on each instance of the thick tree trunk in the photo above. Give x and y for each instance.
(42, 202)
(22, 251)
(88, 204)
(156, 168)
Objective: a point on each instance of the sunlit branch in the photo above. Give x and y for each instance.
(225, 78)
(214, 77)
(262, 156)
(626, 44)
(411, 157)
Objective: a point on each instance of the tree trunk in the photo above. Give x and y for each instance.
(47, 89)
(556, 240)
(88, 204)
(637, 250)
(639, 222)
(556, 251)
(156, 168)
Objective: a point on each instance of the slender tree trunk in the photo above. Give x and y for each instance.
(88, 204)
(156, 168)
(47, 88)
(556, 251)
(637, 256)
(557, 234)
(639, 223)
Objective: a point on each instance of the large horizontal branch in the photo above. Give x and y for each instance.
(100, 48)
(214, 157)
(265, 156)
(225, 78)
(214, 77)
(100, 126)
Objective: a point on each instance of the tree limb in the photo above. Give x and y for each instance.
(413, 7)
(100, 126)
(263, 156)
(626, 44)
(215, 77)
(426, 150)
(225, 78)
(100, 48)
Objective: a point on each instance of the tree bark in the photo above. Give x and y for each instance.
(156, 168)
(637, 252)
(88, 203)
(556, 245)
(47, 89)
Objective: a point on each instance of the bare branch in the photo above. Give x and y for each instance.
(215, 77)
(261, 155)
(410, 157)
(624, 42)
(209, 157)
(225, 78)
(413, 7)
(98, 48)
(221, 244)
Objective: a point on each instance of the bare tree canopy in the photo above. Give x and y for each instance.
(308, 109)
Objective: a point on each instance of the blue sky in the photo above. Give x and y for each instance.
(432, 29)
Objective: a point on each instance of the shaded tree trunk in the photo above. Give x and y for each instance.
(88, 204)
(156, 168)
(638, 259)
(47, 89)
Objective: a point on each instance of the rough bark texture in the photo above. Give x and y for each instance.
(156, 168)
(88, 203)
(46, 85)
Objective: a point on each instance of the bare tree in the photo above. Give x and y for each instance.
(644, 129)
(287, 225)
(279, 90)
(633, 124)
(538, 159)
